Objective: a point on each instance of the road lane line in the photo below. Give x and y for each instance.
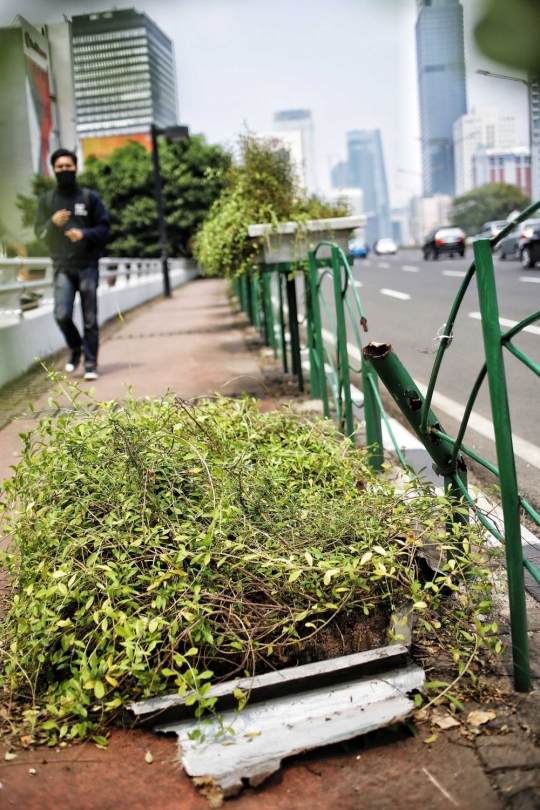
(456, 273)
(507, 322)
(358, 283)
(533, 279)
(408, 268)
(384, 265)
(523, 449)
(395, 294)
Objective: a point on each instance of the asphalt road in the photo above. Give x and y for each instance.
(407, 301)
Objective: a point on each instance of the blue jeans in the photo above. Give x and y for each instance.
(67, 282)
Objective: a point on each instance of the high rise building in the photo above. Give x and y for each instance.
(483, 128)
(292, 143)
(428, 213)
(503, 166)
(124, 79)
(339, 175)
(300, 121)
(442, 89)
(534, 117)
(366, 171)
(28, 122)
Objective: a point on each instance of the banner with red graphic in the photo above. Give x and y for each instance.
(38, 95)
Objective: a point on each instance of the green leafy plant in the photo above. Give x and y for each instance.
(489, 202)
(263, 187)
(157, 546)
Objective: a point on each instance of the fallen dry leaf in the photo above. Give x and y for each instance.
(445, 721)
(9, 755)
(431, 739)
(478, 717)
(149, 758)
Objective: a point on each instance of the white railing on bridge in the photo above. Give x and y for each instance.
(27, 327)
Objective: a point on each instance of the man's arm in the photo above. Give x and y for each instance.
(98, 233)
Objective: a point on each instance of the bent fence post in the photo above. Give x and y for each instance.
(489, 309)
(316, 352)
(372, 416)
(344, 393)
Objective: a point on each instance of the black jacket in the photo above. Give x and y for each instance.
(91, 218)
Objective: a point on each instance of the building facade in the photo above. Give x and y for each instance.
(366, 170)
(428, 213)
(482, 128)
(503, 166)
(124, 78)
(28, 120)
(302, 122)
(441, 88)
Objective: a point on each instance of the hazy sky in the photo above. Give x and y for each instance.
(351, 62)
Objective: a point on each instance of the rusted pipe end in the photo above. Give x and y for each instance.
(374, 351)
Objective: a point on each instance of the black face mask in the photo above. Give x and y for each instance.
(66, 179)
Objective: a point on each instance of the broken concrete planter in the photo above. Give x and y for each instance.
(290, 241)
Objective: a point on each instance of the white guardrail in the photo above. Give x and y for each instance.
(27, 327)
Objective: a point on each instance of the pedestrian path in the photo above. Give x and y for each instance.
(189, 344)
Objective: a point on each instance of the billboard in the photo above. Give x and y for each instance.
(38, 96)
(103, 147)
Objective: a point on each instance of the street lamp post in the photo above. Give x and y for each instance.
(527, 84)
(174, 134)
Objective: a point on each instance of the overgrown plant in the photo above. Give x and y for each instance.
(159, 546)
(263, 187)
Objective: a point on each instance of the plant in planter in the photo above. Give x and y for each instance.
(160, 547)
(263, 188)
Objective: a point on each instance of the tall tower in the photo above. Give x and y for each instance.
(442, 90)
(124, 78)
(300, 121)
(366, 171)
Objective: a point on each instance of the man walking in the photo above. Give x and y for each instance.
(75, 224)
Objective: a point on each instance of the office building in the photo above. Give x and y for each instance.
(124, 79)
(28, 122)
(300, 121)
(441, 87)
(339, 175)
(503, 166)
(534, 117)
(484, 128)
(428, 213)
(366, 171)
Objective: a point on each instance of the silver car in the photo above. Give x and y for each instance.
(509, 247)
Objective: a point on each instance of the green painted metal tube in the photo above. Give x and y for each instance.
(489, 309)
(342, 351)
(314, 382)
(316, 356)
(283, 338)
(372, 416)
(270, 333)
(403, 390)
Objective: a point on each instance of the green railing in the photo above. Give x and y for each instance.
(449, 453)
(263, 297)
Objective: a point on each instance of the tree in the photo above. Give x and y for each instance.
(193, 177)
(509, 33)
(489, 202)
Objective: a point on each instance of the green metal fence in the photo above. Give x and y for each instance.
(269, 298)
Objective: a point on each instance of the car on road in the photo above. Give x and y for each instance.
(358, 249)
(491, 229)
(529, 251)
(447, 239)
(385, 247)
(510, 246)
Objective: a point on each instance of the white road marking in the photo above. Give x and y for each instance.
(395, 294)
(507, 322)
(384, 265)
(522, 448)
(456, 273)
(358, 284)
(532, 279)
(408, 268)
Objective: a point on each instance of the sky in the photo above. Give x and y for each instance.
(351, 62)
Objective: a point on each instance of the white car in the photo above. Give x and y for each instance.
(385, 247)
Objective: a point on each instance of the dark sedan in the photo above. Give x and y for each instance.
(529, 251)
(444, 240)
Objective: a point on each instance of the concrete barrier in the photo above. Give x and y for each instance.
(35, 336)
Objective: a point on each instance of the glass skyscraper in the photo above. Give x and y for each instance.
(442, 89)
(365, 164)
(124, 74)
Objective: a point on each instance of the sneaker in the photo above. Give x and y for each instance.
(90, 372)
(73, 361)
